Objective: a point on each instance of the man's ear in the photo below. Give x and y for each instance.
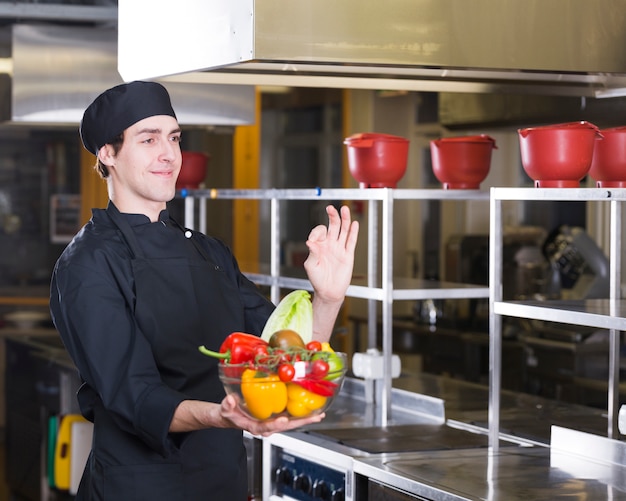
(106, 154)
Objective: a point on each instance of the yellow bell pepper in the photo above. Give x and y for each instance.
(301, 402)
(326, 347)
(264, 394)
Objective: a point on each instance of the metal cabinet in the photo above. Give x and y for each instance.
(607, 313)
(385, 288)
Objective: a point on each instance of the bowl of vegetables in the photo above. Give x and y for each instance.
(282, 377)
(284, 372)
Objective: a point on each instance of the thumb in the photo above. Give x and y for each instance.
(318, 234)
(229, 403)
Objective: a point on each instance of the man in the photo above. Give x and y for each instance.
(134, 295)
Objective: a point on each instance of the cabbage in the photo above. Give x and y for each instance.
(295, 312)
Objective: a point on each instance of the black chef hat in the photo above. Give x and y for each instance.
(118, 108)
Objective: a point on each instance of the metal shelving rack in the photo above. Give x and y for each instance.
(600, 313)
(374, 290)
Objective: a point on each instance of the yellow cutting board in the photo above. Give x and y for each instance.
(63, 451)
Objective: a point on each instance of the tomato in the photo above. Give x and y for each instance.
(335, 363)
(285, 339)
(260, 350)
(281, 356)
(314, 346)
(260, 360)
(286, 372)
(319, 368)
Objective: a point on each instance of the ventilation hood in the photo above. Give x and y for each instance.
(59, 70)
(564, 47)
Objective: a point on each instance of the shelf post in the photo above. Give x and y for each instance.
(190, 220)
(495, 321)
(202, 225)
(387, 306)
(372, 269)
(275, 249)
(615, 273)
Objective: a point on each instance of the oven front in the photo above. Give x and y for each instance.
(294, 469)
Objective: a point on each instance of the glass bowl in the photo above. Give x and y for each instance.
(263, 395)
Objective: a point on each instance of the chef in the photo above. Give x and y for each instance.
(134, 295)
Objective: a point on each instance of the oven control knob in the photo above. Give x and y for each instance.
(321, 490)
(338, 495)
(283, 476)
(302, 483)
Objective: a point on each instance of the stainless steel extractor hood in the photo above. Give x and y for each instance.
(564, 47)
(59, 70)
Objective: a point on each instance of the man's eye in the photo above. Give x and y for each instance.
(176, 139)
(148, 140)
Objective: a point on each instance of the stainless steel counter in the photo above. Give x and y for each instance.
(435, 444)
(521, 415)
(515, 473)
(448, 459)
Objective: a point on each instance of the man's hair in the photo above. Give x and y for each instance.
(102, 169)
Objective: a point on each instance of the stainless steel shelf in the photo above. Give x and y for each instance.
(600, 313)
(384, 289)
(336, 194)
(559, 194)
(404, 289)
(415, 289)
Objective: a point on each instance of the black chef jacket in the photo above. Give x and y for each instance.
(132, 301)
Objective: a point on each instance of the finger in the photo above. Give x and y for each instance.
(297, 423)
(285, 424)
(334, 222)
(229, 403)
(345, 223)
(279, 424)
(352, 238)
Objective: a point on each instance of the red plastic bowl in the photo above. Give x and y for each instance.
(193, 170)
(377, 160)
(608, 166)
(558, 156)
(462, 162)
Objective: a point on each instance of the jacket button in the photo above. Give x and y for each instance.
(188, 234)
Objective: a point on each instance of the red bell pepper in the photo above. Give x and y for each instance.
(320, 386)
(238, 348)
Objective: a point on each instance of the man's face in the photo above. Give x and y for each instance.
(146, 167)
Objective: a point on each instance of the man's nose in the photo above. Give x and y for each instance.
(169, 150)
